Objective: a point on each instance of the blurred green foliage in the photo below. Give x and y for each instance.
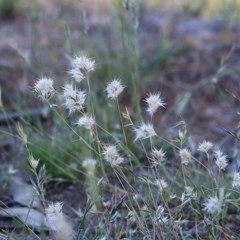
(7, 8)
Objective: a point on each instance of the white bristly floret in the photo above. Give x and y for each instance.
(185, 156)
(236, 180)
(75, 103)
(69, 91)
(158, 156)
(114, 89)
(76, 74)
(86, 121)
(111, 155)
(80, 66)
(154, 101)
(160, 217)
(44, 87)
(145, 130)
(205, 146)
(57, 222)
(83, 63)
(161, 183)
(212, 205)
(81, 97)
(221, 160)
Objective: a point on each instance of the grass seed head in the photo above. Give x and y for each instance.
(33, 162)
(158, 156)
(160, 217)
(57, 222)
(154, 101)
(44, 88)
(161, 183)
(221, 160)
(111, 155)
(76, 74)
(114, 89)
(205, 146)
(75, 103)
(83, 63)
(185, 156)
(69, 91)
(212, 205)
(145, 130)
(236, 180)
(86, 121)
(21, 134)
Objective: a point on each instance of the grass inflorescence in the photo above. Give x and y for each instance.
(165, 191)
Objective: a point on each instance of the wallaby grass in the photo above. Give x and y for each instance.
(137, 199)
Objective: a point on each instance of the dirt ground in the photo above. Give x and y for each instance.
(196, 86)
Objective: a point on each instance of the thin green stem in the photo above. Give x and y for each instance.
(121, 122)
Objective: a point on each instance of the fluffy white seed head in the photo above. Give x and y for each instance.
(158, 156)
(86, 121)
(161, 183)
(154, 101)
(76, 74)
(81, 97)
(185, 156)
(75, 103)
(145, 130)
(212, 205)
(83, 63)
(90, 166)
(111, 155)
(57, 222)
(205, 146)
(44, 88)
(70, 104)
(236, 180)
(69, 91)
(114, 89)
(221, 160)
(160, 217)
(53, 211)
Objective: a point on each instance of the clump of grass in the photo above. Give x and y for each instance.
(165, 196)
(136, 189)
(58, 152)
